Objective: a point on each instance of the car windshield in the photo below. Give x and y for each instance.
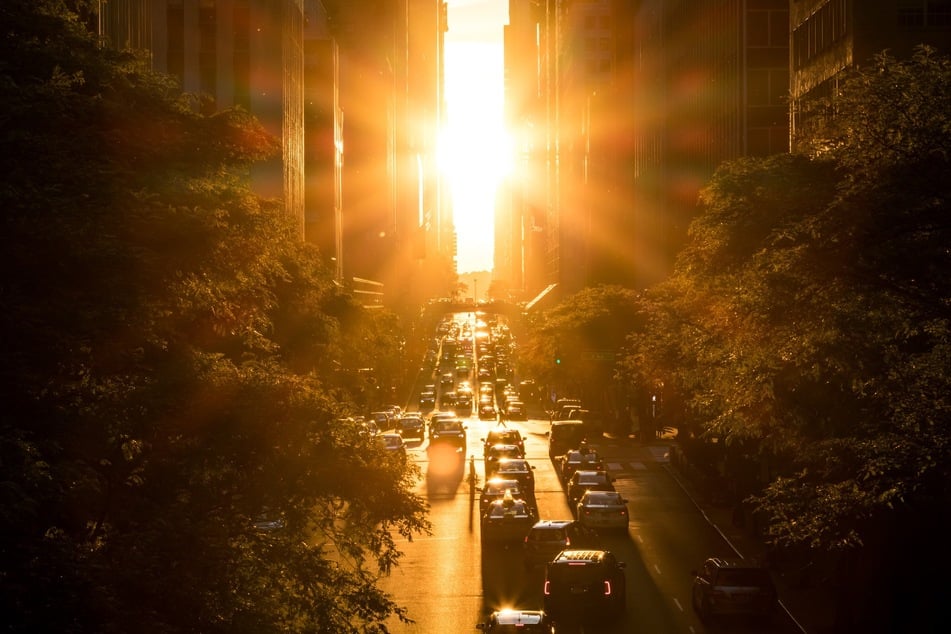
(548, 535)
(746, 577)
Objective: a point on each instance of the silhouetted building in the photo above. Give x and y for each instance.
(829, 36)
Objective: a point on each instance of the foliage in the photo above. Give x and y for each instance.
(808, 317)
(166, 377)
(596, 319)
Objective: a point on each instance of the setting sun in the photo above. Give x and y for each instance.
(475, 150)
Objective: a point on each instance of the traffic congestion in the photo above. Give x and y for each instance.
(549, 527)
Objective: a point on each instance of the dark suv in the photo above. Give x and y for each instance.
(548, 538)
(584, 585)
(733, 587)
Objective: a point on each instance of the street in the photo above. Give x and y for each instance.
(448, 583)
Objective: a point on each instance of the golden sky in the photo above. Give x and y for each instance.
(475, 147)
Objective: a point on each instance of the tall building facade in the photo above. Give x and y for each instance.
(228, 53)
(829, 36)
(354, 91)
(705, 82)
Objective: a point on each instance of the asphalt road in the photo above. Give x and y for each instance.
(448, 583)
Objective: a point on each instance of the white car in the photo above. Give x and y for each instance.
(603, 510)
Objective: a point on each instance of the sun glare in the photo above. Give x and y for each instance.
(475, 151)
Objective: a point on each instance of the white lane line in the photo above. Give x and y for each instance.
(657, 569)
(677, 603)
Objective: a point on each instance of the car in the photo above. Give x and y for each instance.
(733, 587)
(604, 510)
(549, 537)
(577, 460)
(392, 442)
(487, 411)
(519, 469)
(497, 452)
(564, 435)
(427, 399)
(382, 419)
(587, 480)
(447, 430)
(510, 621)
(584, 585)
(507, 519)
(495, 489)
(442, 415)
(411, 427)
(504, 436)
(447, 379)
(515, 410)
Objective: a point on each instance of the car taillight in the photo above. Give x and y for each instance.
(547, 587)
(607, 588)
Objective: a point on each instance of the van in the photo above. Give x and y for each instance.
(564, 435)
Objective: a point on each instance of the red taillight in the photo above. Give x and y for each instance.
(547, 587)
(607, 588)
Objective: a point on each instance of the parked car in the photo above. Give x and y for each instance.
(604, 510)
(585, 480)
(392, 442)
(507, 520)
(564, 435)
(547, 538)
(733, 587)
(510, 621)
(411, 427)
(585, 586)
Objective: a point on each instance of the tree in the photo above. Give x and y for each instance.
(165, 339)
(562, 344)
(807, 325)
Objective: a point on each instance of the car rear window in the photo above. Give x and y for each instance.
(574, 572)
(547, 535)
(743, 577)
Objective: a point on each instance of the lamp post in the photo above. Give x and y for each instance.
(475, 290)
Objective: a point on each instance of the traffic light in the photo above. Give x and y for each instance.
(557, 356)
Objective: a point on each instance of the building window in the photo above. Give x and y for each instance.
(208, 53)
(175, 43)
(242, 55)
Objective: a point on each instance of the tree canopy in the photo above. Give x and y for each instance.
(809, 315)
(168, 378)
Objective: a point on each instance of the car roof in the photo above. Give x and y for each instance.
(554, 524)
(519, 617)
(586, 473)
(590, 494)
(590, 556)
